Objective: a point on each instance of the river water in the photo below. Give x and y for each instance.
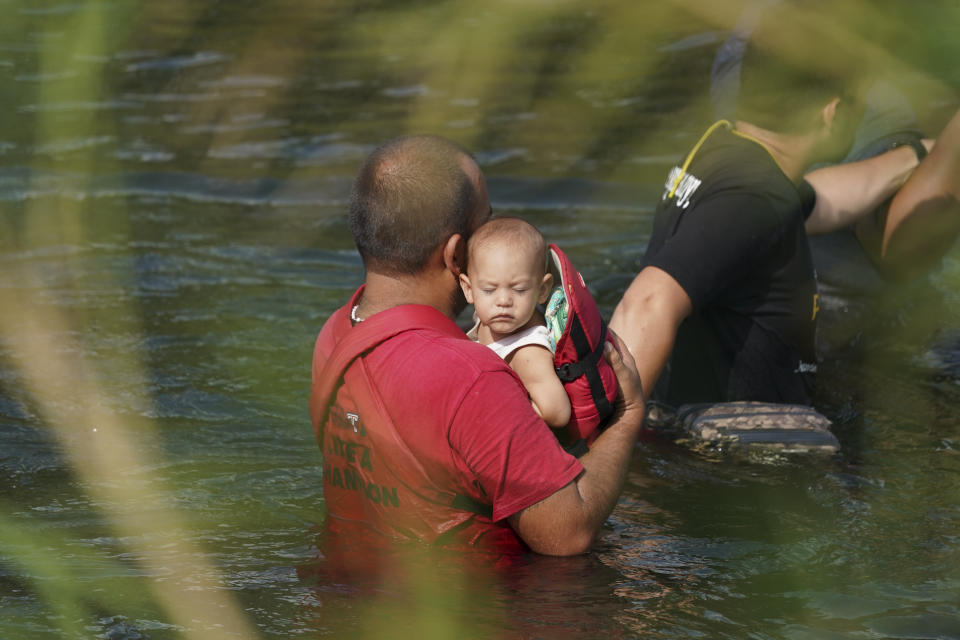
(172, 181)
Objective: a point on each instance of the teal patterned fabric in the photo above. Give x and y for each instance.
(556, 316)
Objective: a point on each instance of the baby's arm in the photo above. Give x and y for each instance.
(534, 365)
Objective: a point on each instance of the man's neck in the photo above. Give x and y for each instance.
(790, 151)
(384, 291)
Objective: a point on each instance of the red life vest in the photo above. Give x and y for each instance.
(587, 377)
(371, 478)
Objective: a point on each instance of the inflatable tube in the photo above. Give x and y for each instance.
(746, 426)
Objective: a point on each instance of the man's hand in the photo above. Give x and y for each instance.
(631, 396)
(566, 522)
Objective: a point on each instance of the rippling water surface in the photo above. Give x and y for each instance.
(172, 181)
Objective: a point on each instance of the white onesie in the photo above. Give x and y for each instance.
(537, 334)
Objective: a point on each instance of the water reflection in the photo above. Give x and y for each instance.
(358, 591)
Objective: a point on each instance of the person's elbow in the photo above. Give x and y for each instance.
(555, 410)
(561, 540)
(820, 223)
(652, 296)
(828, 217)
(558, 525)
(573, 544)
(634, 305)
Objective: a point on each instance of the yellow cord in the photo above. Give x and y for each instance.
(693, 152)
(703, 138)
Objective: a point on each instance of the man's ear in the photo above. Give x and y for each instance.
(455, 254)
(828, 113)
(546, 285)
(465, 286)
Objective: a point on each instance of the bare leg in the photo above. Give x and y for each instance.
(924, 217)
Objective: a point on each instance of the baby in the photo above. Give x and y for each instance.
(506, 279)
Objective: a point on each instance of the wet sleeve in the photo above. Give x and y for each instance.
(504, 444)
(718, 243)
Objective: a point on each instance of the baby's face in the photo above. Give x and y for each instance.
(504, 285)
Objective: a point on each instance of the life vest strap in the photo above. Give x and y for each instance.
(362, 339)
(587, 358)
(586, 365)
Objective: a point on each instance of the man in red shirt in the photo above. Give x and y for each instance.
(426, 435)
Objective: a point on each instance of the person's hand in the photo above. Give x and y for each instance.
(625, 368)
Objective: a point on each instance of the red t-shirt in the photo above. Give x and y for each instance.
(465, 416)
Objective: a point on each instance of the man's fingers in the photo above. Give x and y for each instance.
(624, 366)
(617, 350)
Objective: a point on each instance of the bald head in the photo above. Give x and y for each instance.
(410, 195)
(518, 235)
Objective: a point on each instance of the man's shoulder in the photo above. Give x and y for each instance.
(749, 200)
(726, 157)
(435, 365)
(427, 369)
(446, 355)
(332, 332)
(727, 176)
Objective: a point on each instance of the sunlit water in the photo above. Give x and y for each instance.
(206, 243)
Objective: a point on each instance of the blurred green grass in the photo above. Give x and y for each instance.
(584, 88)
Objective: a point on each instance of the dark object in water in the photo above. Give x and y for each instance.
(746, 426)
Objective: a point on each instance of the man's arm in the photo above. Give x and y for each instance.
(847, 192)
(647, 319)
(924, 217)
(566, 522)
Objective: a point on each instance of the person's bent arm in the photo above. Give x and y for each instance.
(849, 191)
(534, 365)
(924, 218)
(566, 522)
(647, 319)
